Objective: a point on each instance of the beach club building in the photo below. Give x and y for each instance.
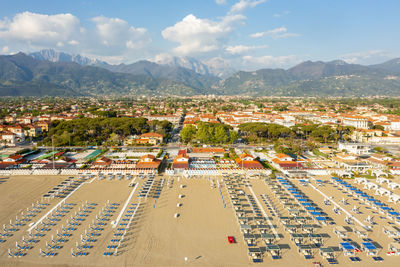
(148, 162)
(14, 160)
(286, 162)
(102, 162)
(206, 152)
(283, 157)
(181, 162)
(247, 161)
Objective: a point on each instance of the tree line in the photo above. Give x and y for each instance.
(258, 132)
(99, 131)
(208, 133)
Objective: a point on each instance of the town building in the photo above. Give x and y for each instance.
(148, 162)
(358, 122)
(354, 148)
(247, 161)
(150, 138)
(8, 138)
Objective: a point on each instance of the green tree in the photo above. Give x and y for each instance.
(188, 133)
(220, 135)
(233, 136)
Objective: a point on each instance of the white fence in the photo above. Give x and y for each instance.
(216, 171)
(74, 171)
(127, 154)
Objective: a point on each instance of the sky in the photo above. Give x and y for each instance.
(242, 34)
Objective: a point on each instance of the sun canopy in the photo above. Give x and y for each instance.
(347, 246)
(369, 246)
(326, 250)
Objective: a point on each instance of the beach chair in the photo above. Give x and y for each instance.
(355, 259)
(19, 254)
(94, 234)
(51, 254)
(332, 261)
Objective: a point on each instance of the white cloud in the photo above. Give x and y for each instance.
(243, 4)
(196, 35)
(109, 37)
(162, 58)
(5, 49)
(276, 33)
(73, 42)
(240, 49)
(270, 61)
(270, 32)
(200, 35)
(220, 2)
(115, 32)
(218, 62)
(278, 15)
(39, 28)
(362, 57)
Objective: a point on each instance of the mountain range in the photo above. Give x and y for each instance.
(215, 67)
(59, 74)
(334, 78)
(22, 75)
(55, 56)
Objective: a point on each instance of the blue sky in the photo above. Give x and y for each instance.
(244, 34)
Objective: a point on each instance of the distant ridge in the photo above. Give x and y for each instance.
(60, 74)
(22, 75)
(392, 65)
(215, 67)
(175, 73)
(54, 56)
(334, 78)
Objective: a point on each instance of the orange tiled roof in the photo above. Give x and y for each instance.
(281, 156)
(151, 135)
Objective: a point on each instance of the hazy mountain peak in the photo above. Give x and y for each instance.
(214, 67)
(185, 62)
(55, 56)
(392, 65)
(338, 62)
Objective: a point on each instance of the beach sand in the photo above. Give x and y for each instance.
(198, 237)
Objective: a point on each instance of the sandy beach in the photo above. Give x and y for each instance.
(197, 237)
